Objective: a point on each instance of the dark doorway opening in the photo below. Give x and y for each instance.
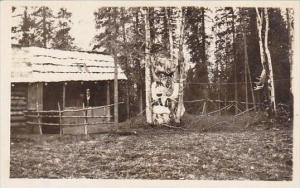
(52, 97)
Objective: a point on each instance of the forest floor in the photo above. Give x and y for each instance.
(229, 152)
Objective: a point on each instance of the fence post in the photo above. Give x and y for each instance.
(204, 108)
(39, 119)
(85, 119)
(60, 120)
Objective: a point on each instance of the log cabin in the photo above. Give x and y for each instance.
(50, 79)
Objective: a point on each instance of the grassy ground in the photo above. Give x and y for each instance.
(215, 152)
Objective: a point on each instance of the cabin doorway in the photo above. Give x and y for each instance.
(52, 97)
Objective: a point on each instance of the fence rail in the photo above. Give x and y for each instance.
(35, 117)
(67, 124)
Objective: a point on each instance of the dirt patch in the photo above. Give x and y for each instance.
(157, 153)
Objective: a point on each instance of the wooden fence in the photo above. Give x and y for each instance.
(84, 116)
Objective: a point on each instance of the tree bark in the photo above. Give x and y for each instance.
(248, 69)
(171, 47)
(245, 71)
(138, 62)
(234, 62)
(291, 38)
(44, 27)
(290, 32)
(116, 90)
(180, 106)
(147, 69)
(116, 93)
(269, 60)
(126, 64)
(206, 89)
(259, 23)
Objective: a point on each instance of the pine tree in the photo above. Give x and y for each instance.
(22, 29)
(61, 37)
(43, 26)
(197, 42)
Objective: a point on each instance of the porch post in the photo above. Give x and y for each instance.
(108, 100)
(64, 96)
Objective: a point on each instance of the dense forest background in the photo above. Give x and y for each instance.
(221, 48)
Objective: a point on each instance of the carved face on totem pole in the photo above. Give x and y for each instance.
(164, 89)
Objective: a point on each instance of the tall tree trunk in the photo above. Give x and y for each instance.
(248, 69)
(165, 38)
(269, 60)
(291, 33)
(151, 18)
(126, 63)
(245, 71)
(171, 47)
(25, 39)
(259, 23)
(116, 91)
(44, 27)
(219, 86)
(181, 64)
(138, 62)
(147, 69)
(203, 55)
(234, 62)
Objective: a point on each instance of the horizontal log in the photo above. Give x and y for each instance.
(56, 116)
(18, 94)
(73, 110)
(17, 113)
(18, 124)
(18, 98)
(67, 124)
(19, 89)
(18, 103)
(17, 118)
(18, 108)
(220, 101)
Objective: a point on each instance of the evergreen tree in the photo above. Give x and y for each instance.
(43, 26)
(61, 37)
(197, 41)
(23, 26)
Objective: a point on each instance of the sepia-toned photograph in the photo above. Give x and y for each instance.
(189, 92)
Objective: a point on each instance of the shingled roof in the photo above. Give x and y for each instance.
(33, 64)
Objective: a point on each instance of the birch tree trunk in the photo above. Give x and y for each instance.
(181, 64)
(147, 69)
(259, 23)
(271, 87)
(265, 59)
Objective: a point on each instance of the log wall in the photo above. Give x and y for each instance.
(18, 104)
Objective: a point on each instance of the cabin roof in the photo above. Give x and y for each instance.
(34, 64)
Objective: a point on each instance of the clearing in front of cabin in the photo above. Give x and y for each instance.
(197, 150)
